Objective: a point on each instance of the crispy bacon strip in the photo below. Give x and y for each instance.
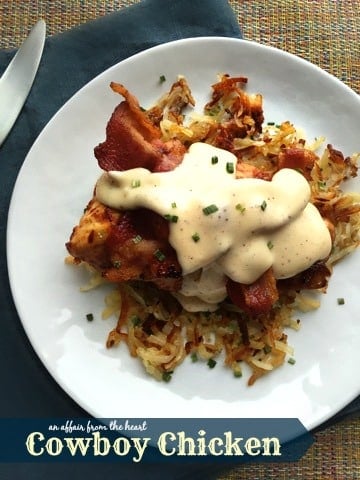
(225, 86)
(259, 297)
(315, 277)
(297, 158)
(132, 140)
(246, 170)
(256, 298)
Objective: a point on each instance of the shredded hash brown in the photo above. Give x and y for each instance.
(153, 325)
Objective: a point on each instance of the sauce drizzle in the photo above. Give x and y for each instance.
(223, 226)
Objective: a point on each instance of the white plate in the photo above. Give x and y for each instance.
(54, 185)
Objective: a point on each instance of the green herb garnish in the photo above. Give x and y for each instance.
(270, 245)
(195, 237)
(135, 183)
(213, 111)
(240, 207)
(171, 218)
(211, 363)
(267, 349)
(210, 209)
(194, 357)
(137, 239)
(166, 376)
(230, 167)
(322, 185)
(159, 255)
(135, 320)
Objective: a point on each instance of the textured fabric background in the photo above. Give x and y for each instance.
(326, 32)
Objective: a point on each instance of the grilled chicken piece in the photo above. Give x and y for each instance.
(299, 159)
(131, 245)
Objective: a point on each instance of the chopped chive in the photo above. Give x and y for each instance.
(237, 373)
(166, 376)
(263, 206)
(162, 78)
(137, 239)
(116, 263)
(214, 111)
(173, 205)
(270, 245)
(292, 361)
(214, 160)
(159, 255)
(230, 167)
(195, 237)
(135, 320)
(210, 209)
(233, 325)
(340, 301)
(194, 357)
(89, 317)
(240, 207)
(267, 349)
(211, 363)
(271, 123)
(322, 185)
(135, 183)
(171, 218)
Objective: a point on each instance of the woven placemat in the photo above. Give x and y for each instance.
(325, 32)
(335, 455)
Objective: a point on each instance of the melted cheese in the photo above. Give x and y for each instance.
(221, 226)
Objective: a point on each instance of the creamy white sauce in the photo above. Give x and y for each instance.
(203, 290)
(251, 225)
